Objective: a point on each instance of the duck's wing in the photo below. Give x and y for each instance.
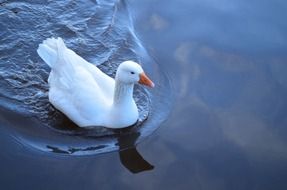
(82, 102)
(104, 82)
(77, 88)
(65, 63)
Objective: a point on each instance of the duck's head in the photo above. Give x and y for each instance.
(131, 72)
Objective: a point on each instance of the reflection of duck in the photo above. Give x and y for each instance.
(129, 155)
(134, 161)
(85, 94)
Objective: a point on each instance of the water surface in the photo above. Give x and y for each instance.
(226, 62)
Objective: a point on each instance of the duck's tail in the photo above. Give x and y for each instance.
(55, 53)
(50, 50)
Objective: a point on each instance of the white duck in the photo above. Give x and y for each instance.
(85, 94)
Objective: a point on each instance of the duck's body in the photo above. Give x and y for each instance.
(84, 93)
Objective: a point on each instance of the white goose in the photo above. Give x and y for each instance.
(85, 94)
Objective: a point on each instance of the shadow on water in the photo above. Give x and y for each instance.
(129, 155)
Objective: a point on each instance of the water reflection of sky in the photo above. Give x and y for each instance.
(250, 26)
(227, 62)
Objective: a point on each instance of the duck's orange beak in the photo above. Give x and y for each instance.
(145, 80)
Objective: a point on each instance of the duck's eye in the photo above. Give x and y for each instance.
(132, 73)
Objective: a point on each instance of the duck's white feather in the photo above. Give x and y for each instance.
(77, 88)
(84, 93)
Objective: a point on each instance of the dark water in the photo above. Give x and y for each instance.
(220, 68)
(106, 31)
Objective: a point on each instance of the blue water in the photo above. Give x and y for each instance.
(220, 72)
(109, 37)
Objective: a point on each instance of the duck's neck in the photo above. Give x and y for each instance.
(123, 94)
(124, 111)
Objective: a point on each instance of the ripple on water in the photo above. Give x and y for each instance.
(105, 29)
